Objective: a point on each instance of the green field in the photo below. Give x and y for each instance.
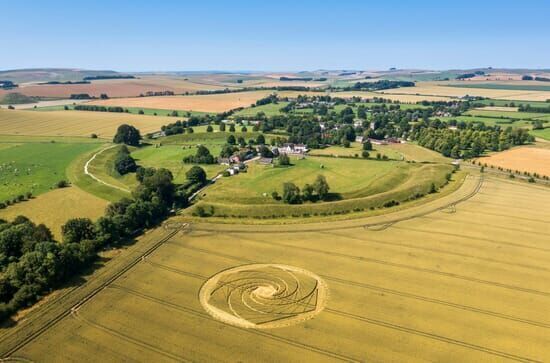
(356, 185)
(35, 167)
(506, 114)
(490, 121)
(543, 134)
(270, 109)
(356, 148)
(518, 87)
(171, 156)
(493, 102)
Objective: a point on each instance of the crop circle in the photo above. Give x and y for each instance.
(263, 296)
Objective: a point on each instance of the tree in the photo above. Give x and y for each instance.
(196, 174)
(128, 135)
(77, 230)
(124, 163)
(365, 154)
(231, 140)
(202, 156)
(222, 127)
(308, 193)
(321, 187)
(291, 194)
(367, 145)
(284, 160)
(232, 128)
(244, 129)
(209, 128)
(265, 152)
(260, 140)
(227, 151)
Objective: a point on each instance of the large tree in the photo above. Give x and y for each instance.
(127, 134)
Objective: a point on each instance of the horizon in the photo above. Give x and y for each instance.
(172, 37)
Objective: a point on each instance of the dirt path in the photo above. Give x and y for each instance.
(87, 172)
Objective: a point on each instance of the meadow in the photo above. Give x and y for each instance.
(35, 167)
(385, 298)
(543, 134)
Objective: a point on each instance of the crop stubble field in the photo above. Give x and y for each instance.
(444, 283)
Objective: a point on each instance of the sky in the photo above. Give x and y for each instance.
(274, 35)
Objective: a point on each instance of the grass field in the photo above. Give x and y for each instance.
(356, 185)
(506, 114)
(544, 133)
(74, 123)
(356, 148)
(55, 207)
(171, 156)
(442, 284)
(270, 109)
(35, 167)
(516, 103)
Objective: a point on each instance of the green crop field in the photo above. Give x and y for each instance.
(490, 121)
(270, 109)
(35, 167)
(516, 103)
(505, 114)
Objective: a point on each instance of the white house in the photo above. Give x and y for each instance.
(293, 149)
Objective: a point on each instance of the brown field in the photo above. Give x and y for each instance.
(205, 103)
(116, 88)
(74, 123)
(435, 89)
(530, 159)
(467, 283)
(55, 207)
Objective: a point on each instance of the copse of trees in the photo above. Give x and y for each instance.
(317, 191)
(202, 156)
(124, 162)
(381, 85)
(127, 134)
(99, 108)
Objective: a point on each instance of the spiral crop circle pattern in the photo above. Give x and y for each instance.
(263, 296)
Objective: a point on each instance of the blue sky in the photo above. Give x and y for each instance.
(276, 35)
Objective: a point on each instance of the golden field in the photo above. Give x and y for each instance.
(462, 278)
(55, 207)
(74, 123)
(529, 159)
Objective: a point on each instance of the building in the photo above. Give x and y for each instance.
(297, 149)
(359, 139)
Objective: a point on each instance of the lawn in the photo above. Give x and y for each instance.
(356, 148)
(543, 134)
(35, 167)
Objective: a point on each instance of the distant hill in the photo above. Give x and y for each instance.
(53, 74)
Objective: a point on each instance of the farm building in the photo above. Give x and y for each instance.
(292, 149)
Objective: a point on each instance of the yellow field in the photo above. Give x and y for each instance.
(435, 89)
(205, 103)
(55, 207)
(447, 282)
(530, 159)
(74, 123)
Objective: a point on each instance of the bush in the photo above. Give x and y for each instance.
(62, 184)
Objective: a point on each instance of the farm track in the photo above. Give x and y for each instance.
(87, 172)
(72, 299)
(346, 315)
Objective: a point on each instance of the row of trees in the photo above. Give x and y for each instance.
(317, 191)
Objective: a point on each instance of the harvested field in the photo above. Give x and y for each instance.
(530, 159)
(436, 89)
(116, 87)
(55, 207)
(205, 103)
(75, 123)
(446, 284)
(406, 97)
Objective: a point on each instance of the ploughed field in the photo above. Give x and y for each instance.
(462, 278)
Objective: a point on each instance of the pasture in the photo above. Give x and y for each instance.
(543, 134)
(527, 158)
(356, 185)
(75, 123)
(438, 282)
(35, 167)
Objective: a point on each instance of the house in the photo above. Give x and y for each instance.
(359, 139)
(292, 149)
(158, 134)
